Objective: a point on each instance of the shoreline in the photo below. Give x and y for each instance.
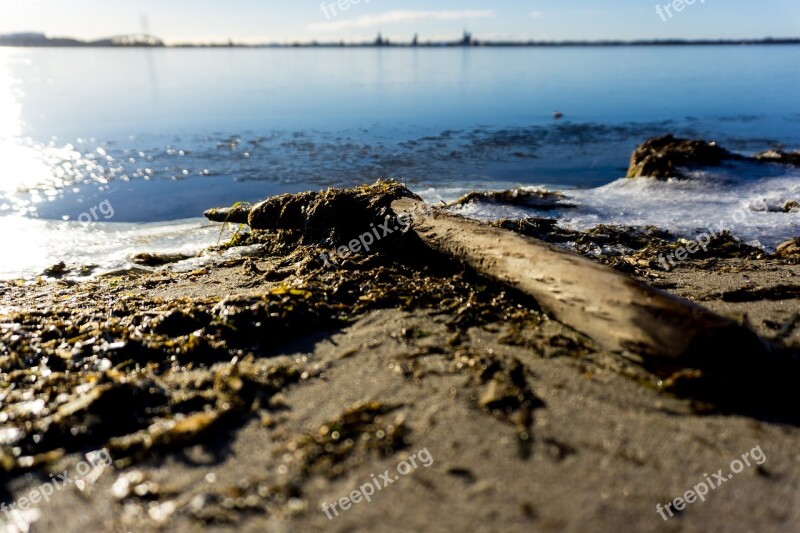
(251, 391)
(71, 43)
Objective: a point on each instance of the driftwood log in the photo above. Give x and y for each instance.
(619, 313)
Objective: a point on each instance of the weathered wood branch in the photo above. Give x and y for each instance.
(616, 311)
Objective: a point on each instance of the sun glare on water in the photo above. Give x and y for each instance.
(24, 244)
(21, 166)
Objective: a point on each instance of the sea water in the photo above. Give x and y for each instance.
(160, 135)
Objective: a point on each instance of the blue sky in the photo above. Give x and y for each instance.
(287, 20)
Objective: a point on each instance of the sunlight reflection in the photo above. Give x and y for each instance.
(21, 166)
(33, 172)
(10, 105)
(29, 246)
(36, 244)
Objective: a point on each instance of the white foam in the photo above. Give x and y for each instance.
(749, 205)
(30, 245)
(734, 197)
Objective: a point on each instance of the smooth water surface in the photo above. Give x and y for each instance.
(163, 134)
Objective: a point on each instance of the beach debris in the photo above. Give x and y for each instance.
(186, 367)
(619, 313)
(158, 259)
(661, 334)
(532, 198)
(722, 245)
(632, 250)
(602, 237)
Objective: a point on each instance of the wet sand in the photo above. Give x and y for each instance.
(247, 394)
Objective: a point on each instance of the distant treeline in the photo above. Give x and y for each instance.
(38, 39)
(477, 43)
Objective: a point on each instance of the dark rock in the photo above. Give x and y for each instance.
(665, 157)
(662, 157)
(56, 271)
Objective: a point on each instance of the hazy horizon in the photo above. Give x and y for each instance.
(248, 21)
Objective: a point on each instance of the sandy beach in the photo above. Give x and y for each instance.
(433, 267)
(269, 391)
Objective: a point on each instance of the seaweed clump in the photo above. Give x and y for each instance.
(71, 379)
(629, 249)
(662, 157)
(112, 366)
(504, 393)
(359, 429)
(327, 218)
(530, 198)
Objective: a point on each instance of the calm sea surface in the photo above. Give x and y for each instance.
(162, 135)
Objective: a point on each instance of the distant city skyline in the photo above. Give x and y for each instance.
(253, 21)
